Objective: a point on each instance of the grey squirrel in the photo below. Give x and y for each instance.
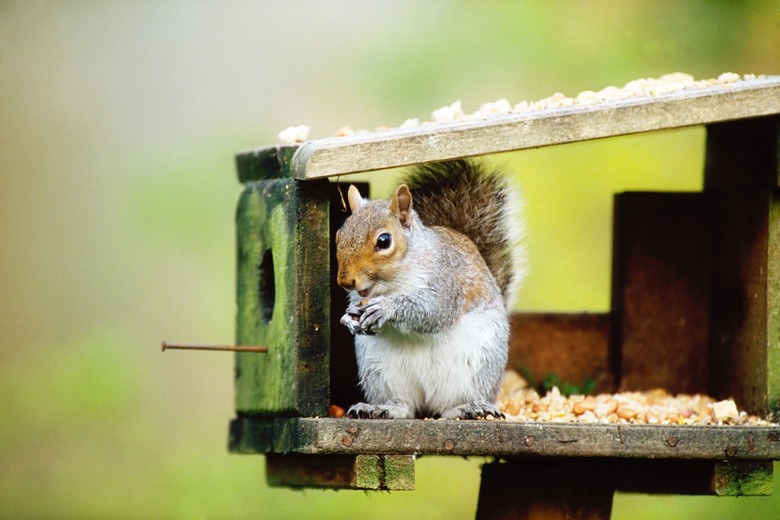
(431, 276)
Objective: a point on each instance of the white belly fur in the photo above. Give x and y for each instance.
(435, 372)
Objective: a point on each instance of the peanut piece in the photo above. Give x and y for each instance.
(624, 412)
(336, 411)
(587, 405)
(512, 408)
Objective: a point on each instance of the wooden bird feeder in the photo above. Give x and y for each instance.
(695, 309)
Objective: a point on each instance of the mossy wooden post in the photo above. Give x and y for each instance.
(283, 290)
(741, 173)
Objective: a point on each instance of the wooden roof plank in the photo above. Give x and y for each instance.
(440, 141)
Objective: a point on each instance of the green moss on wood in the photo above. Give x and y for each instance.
(264, 163)
(285, 220)
(743, 479)
(367, 472)
(399, 472)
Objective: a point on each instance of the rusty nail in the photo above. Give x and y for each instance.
(672, 441)
(449, 445)
(223, 348)
(529, 441)
(353, 429)
(347, 441)
(773, 436)
(731, 452)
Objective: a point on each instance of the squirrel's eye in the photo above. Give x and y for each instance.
(383, 241)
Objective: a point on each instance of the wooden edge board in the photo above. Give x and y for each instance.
(504, 439)
(440, 141)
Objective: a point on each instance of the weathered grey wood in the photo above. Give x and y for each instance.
(283, 298)
(509, 439)
(369, 472)
(435, 142)
(662, 270)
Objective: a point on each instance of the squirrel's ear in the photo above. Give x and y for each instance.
(401, 205)
(355, 200)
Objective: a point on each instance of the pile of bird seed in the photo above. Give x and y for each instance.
(519, 402)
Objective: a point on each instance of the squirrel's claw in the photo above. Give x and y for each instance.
(353, 309)
(373, 315)
(390, 410)
(366, 411)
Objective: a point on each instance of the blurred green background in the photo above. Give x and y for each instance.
(118, 125)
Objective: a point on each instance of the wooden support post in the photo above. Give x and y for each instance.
(742, 155)
(545, 489)
(283, 297)
(744, 339)
(742, 171)
(344, 389)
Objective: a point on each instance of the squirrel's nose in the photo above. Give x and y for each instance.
(346, 282)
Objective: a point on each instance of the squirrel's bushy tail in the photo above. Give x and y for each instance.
(466, 196)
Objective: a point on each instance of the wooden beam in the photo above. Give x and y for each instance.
(441, 141)
(743, 169)
(506, 439)
(369, 472)
(745, 341)
(577, 488)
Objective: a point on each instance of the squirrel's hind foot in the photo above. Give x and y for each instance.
(379, 411)
(475, 410)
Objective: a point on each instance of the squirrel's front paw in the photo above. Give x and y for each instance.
(352, 322)
(373, 315)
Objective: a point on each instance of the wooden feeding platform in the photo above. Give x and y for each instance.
(695, 309)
